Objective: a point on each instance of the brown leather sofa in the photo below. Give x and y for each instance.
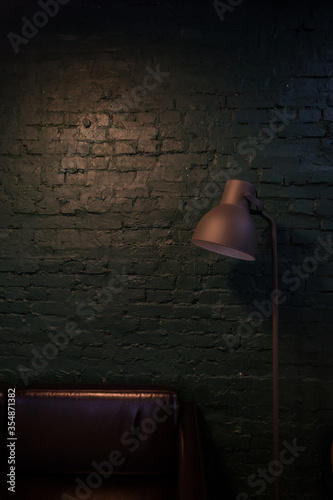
(115, 443)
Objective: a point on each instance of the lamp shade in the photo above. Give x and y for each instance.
(229, 229)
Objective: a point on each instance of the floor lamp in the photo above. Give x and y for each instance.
(229, 229)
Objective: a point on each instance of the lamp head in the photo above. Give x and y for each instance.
(229, 229)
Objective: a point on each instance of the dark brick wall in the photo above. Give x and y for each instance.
(106, 168)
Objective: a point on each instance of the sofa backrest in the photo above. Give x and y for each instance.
(128, 430)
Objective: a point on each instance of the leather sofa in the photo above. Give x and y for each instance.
(102, 443)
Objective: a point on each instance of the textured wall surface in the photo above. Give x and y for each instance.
(120, 124)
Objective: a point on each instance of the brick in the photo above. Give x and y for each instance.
(83, 148)
(158, 296)
(325, 207)
(98, 178)
(91, 134)
(146, 118)
(170, 145)
(301, 206)
(16, 307)
(148, 145)
(57, 281)
(101, 163)
(10, 147)
(309, 115)
(303, 130)
(169, 117)
(198, 145)
(7, 264)
(119, 134)
(9, 279)
(51, 308)
(103, 149)
(76, 178)
(303, 192)
(251, 116)
(73, 164)
(124, 147)
(195, 117)
(48, 118)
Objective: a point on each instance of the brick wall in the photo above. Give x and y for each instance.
(120, 125)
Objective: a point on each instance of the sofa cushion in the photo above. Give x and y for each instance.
(123, 431)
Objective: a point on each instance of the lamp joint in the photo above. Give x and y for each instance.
(258, 204)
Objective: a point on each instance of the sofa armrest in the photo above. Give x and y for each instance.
(2, 428)
(191, 474)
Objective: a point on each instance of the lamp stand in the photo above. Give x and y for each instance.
(229, 230)
(275, 300)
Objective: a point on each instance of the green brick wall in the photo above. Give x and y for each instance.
(120, 124)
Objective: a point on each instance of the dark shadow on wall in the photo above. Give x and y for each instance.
(305, 344)
(326, 464)
(219, 485)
